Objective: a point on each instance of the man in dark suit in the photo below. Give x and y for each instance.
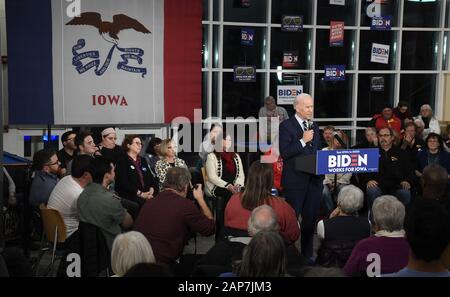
(299, 136)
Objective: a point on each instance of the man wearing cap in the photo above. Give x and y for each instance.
(386, 119)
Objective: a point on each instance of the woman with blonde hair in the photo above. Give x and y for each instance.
(169, 159)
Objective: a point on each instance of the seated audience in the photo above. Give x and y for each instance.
(129, 249)
(207, 146)
(427, 228)
(153, 153)
(65, 155)
(11, 191)
(258, 192)
(85, 145)
(370, 139)
(386, 119)
(46, 168)
(100, 207)
(265, 256)
(433, 154)
(108, 147)
(168, 160)
(389, 241)
(333, 183)
(395, 173)
(430, 123)
(402, 112)
(224, 170)
(169, 219)
(411, 143)
(134, 180)
(447, 139)
(340, 233)
(327, 136)
(277, 167)
(65, 195)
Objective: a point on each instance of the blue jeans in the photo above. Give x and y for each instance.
(328, 202)
(373, 193)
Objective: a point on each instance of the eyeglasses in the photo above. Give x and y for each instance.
(290, 20)
(245, 70)
(54, 163)
(137, 142)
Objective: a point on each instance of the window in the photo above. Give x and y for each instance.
(300, 42)
(418, 89)
(387, 8)
(374, 91)
(367, 38)
(327, 12)
(333, 99)
(326, 55)
(289, 79)
(247, 11)
(420, 50)
(291, 7)
(236, 54)
(421, 13)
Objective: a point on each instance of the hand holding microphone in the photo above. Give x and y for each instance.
(308, 135)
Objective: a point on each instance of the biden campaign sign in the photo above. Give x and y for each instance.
(334, 72)
(287, 94)
(382, 23)
(347, 161)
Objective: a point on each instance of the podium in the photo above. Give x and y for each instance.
(339, 161)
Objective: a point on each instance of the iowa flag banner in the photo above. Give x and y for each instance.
(114, 62)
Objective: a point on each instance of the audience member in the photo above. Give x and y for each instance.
(46, 168)
(169, 159)
(85, 145)
(134, 180)
(327, 135)
(100, 207)
(149, 270)
(208, 145)
(333, 183)
(447, 139)
(224, 170)
(411, 143)
(395, 173)
(12, 198)
(427, 228)
(153, 153)
(386, 119)
(108, 147)
(430, 123)
(169, 219)
(389, 241)
(340, 233)
(129, 249)
(370, 140)
(402, 112)
(65, 155)
(433, 154)
(274, 115)
(258, 192)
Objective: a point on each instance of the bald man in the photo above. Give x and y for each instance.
(299, 136)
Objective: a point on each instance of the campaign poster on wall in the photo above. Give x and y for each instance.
(287, 94)
(290, 59)
(244, 73)
(377, 83)
(382, 23)
(292, 23)
(380, 53)
(334, 73)
(336, 34)
(247, 36)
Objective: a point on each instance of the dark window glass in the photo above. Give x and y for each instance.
(286, 41)
(205, 51)
(216, 7)
(327, 12)
(291, 7)
(216, 53)
(204, 94)
(418, 89)
(419, 50)
(333, 99)
(205, 10)
(422, 14)
(445, 51)
(288, 79)
(215, 92)
(365, 53)
(389, 7)
(242, 99)
(447, 13)
(326, 55)
(255, 13)
(371, 99)
(236, 54)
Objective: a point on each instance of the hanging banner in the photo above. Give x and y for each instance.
(380, 53)
(337, 2)
(377, 83)
(334, 73)
(247, 36)
(244, 74)
(382, 23)
(336, 34)
(292, 23)
(290, 59)
(287, 94)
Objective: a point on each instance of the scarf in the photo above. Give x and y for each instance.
(229, 162)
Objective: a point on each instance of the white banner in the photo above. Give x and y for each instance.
(380, 53)
(108, 62)
(287, 94)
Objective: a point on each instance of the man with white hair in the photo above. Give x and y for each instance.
(299, 136)
(430, 123)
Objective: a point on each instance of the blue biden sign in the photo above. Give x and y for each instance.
(347, 161)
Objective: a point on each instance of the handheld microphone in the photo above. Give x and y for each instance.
(339, 139)
(310, 127)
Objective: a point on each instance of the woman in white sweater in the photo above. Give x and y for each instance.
(224, 170)
(430, 123)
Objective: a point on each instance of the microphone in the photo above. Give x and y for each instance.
(339, 139)
(310, 127)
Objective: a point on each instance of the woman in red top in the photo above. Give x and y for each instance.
(258, 192)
